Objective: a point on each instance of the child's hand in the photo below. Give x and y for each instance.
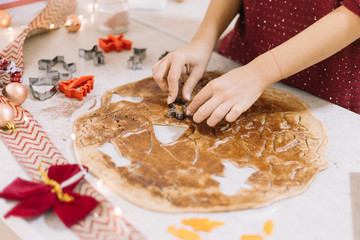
(167, 71)
(229, 95)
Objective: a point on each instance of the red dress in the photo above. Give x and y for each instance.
(272, 22)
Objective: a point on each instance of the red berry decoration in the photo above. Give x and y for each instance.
(11, 69)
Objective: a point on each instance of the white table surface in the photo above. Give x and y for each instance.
(325, 211)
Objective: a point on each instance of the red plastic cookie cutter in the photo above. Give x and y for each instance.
(114, 43)
(69, 87)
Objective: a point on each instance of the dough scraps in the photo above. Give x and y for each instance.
(278, 137)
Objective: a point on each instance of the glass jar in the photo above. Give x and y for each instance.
(112, 16)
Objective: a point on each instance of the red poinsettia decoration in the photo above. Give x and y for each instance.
(56, 192)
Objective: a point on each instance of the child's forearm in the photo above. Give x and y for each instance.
(317, 42)
(218, 16)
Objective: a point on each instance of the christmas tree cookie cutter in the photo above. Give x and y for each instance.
(77, 87)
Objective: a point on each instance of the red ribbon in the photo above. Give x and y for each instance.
(36, 198)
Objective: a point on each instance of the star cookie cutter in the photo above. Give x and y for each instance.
(48, 64)
(114, 43)
(135, 61)
(97, 56)
(50, 79)
(176, 110)
(69, 87)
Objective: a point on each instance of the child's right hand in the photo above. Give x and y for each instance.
(167, 71)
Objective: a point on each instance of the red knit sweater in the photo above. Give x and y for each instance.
(272, 22)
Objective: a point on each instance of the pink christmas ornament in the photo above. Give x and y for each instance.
(16, 92)
(6, 115)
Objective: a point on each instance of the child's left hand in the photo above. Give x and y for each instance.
(227, 96)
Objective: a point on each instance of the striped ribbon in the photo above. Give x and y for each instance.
(12, 4)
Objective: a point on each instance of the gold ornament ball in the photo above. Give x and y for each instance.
(16, 92)
(6, 115)
(4, 18)
(72, 23)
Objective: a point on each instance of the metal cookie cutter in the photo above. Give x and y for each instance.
(94, 54)
(174, 112)
(50, 79)
(163, 55)
(47, 64)
(135, 62)
(69, 87)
